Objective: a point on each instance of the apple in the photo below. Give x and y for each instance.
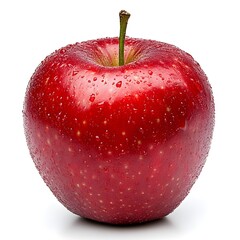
(119, 141)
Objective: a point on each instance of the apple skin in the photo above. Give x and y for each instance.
(119, 144)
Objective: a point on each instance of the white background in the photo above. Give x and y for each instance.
(208, 30)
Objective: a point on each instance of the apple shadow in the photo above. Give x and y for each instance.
(163, 222)
(92, 229)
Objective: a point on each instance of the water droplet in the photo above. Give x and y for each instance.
(74, 73)
(119, 84)
(63, 65)
(92, 97)
(97, 138)
(141, 130)
(62, 51)
(101, 103)
(160, 75)
(150, 72)
(95, 79)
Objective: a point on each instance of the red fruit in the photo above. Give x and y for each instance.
(119, 144)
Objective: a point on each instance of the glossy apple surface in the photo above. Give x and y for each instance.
(119, 144)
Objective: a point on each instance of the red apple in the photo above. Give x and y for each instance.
(119, 144)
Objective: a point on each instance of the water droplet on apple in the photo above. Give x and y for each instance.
(92, 97)
(101, 103)
(119, 84)
(160, 75)
(74, 73)
(150, 72)
(95, 79)
(141, 130)
(62, 51)
(169, 81)
(97, 138)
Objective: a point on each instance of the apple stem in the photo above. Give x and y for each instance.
(124, 16)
